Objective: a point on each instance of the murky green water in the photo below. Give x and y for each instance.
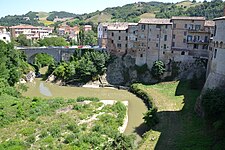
(136, 106)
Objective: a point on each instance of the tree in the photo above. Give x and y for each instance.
(23, 41)
(158, 69)
(90, 38)
(120, 142)
(43, 59)
(53, 41)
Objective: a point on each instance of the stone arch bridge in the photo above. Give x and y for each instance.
(59, 54)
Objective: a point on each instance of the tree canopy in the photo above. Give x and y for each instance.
(53, 41)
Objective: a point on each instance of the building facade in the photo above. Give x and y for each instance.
(4, 35)
(176, 39)
(216, 68)
(31, 32)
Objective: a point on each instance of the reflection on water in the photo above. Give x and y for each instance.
(44, 90)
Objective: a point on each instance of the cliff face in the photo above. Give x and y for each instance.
(123, 71)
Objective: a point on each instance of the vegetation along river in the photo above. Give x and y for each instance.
(136, 107)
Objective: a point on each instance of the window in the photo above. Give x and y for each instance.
(126, 38)
(143, 27)
(184, 40)
(174, 36)
(157, 26)
(112, 34)
(165, 37)
(126, 45)
(126, 30)
(166, 26)
(119, 31)
(112, 41)
(157, 36)
(195, 46)
(164, 46)
(174, 26)
(135, 39)
(119, 45)
(197, 27)
(142, 44)
(157, 45)
(119, 37)
(4, 38)
(215, 53)
(141, 55)
(182, 53)
(185, 26)
(215, 30)
(173, 44)
(133, 32)
(185, 33)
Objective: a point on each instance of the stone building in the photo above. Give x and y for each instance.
(216, 68)
(102, 35)
(191, 36)
(180, 39)
(117, 38)
(154, 38)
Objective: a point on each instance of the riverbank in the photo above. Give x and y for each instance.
(136, 107)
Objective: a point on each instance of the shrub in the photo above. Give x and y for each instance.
(158, 69)
(213, 102)
(93, 99)
(150, 117)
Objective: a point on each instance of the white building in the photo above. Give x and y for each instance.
(4, 35)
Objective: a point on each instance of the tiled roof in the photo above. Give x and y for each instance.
(155, 21)
(220, 18)
(118, 26)
(187, 18)
(209, 23)
(24, 27)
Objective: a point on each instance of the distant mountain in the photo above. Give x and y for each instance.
(127, 13)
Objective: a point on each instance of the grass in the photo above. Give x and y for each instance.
(46, 22)
(147, 15)
(179, 127)
(58, 123)
(42, 14)
(103, 17)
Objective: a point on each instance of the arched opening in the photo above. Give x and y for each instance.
(221, 44)
(182, 53)
(217, 44)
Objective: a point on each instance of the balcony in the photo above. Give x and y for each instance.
(200, 53)
(198, 41)
(190, 30)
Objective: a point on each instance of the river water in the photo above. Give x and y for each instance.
(136, 107)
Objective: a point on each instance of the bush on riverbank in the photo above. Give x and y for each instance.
(150, 116)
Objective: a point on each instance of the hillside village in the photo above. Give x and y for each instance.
(180, 107)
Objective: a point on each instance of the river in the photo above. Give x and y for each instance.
(136, 107)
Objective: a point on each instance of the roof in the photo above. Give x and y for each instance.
(187, 18)
(118, 26)
(24, 27)
(209, 23)
(2, 27)
(220, 18)
(87, 26)
(155, 21)
(132, 24)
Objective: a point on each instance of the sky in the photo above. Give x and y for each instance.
(19, 7)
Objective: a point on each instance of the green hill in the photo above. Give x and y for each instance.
(127, 13)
